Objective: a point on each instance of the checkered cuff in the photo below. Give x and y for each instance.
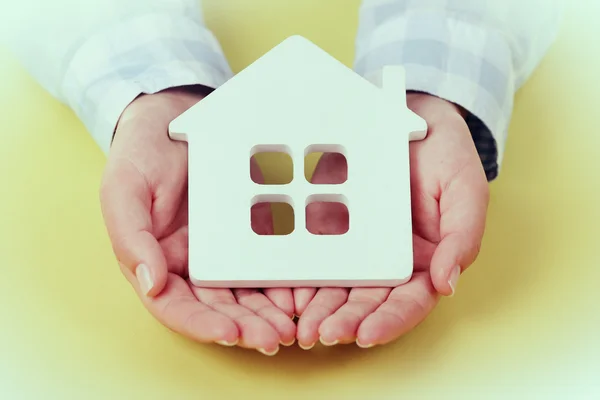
(451, 58)
(143, 54)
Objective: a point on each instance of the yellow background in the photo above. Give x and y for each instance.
(525, 319)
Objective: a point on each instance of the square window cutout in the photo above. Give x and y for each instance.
(279, 207)
(325, 164)
(327, 214)
(273, 162)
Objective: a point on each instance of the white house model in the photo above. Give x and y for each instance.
(298, 99)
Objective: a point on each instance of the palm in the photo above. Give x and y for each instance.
(253, 321)
(338, 315)
(169, 211)
(144, 200)
(441, 166)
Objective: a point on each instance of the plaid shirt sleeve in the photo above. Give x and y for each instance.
(113, 51)
(474, 53)
(471, 52)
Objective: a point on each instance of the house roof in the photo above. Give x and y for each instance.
(296, 84)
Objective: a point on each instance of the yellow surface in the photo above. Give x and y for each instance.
(525, 319)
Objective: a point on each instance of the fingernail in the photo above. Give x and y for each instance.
(364, 346)
(226, 343)
(453, 279)
(306, 347)
(142, 273)
(288, 344)
(266, 353)
(325, 343)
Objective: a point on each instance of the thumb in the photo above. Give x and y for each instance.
(126, 201)
(463, 209)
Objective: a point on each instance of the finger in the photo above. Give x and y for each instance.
(463, 209)
(302, 297)
(178, 309)
(404, 309)
(342, 326)
(254, 331)
(259, 304)
(261, 218)
(126, 201)
(281, 298)
(324, 304)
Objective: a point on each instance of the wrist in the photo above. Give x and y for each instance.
(417, 100)
(171, 98)
(166, 104)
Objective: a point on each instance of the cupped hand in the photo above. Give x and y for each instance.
(144, 203)
(450, 197)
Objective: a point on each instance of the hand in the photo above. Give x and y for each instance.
(449, 205)
(144, 203)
